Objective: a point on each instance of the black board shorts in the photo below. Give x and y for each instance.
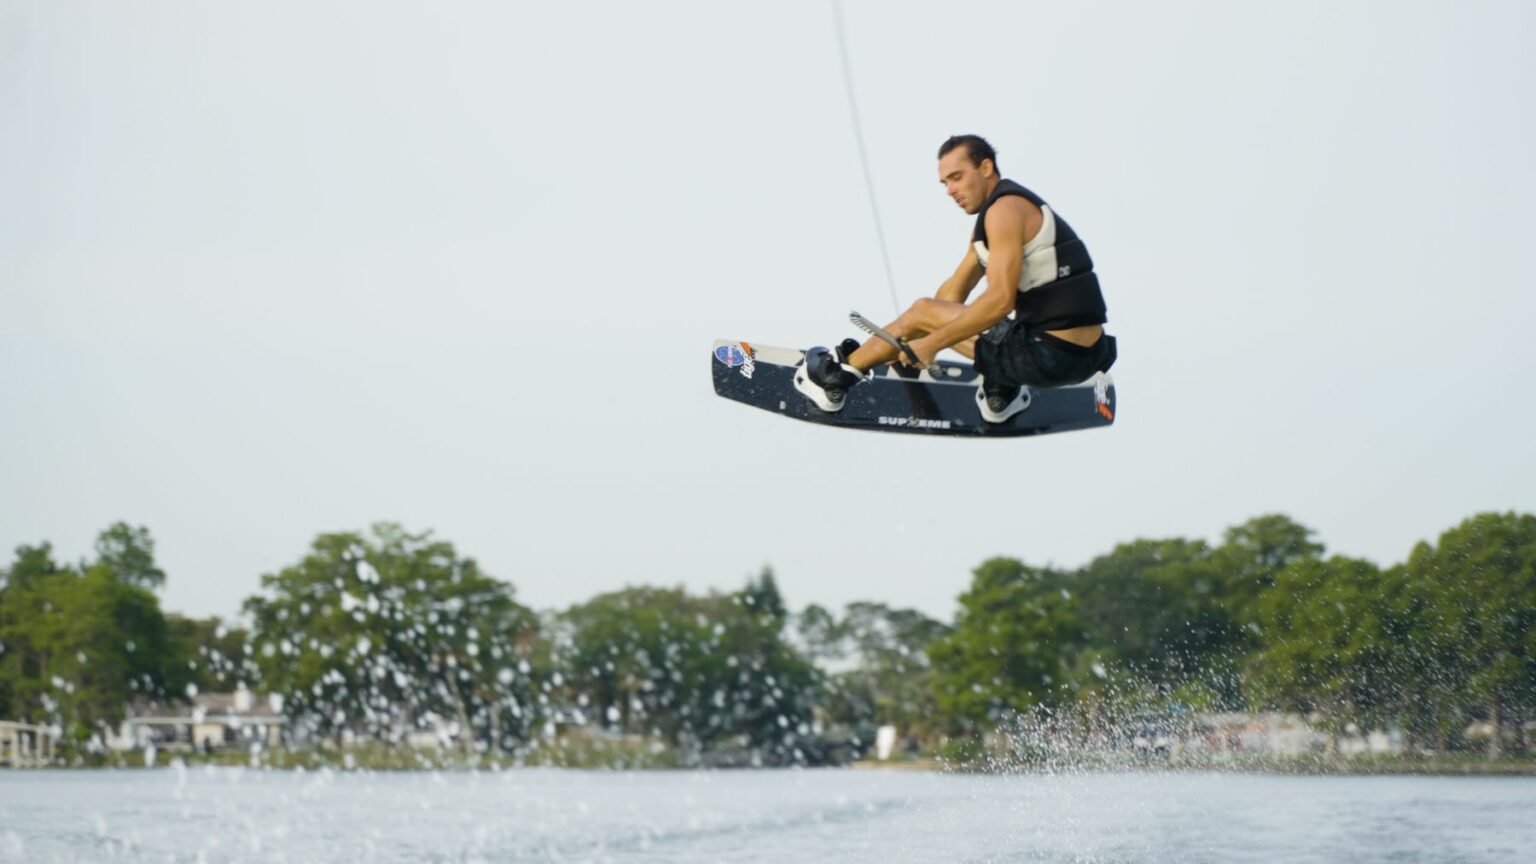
(1011, 354)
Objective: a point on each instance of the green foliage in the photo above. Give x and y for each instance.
(1250, 557)
(761, 595)
(1014, 644)
(962, 752)
(820, 634)
(32, 563)
(890, 679)
(210, 655)
(1330, 641)
(77, 645)
(127, 553)
(1473, 598)
(1154, 610)
(640, 653)
(698, 671)
(29, 625)
(371, 635)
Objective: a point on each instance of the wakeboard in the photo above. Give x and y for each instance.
(940, 400)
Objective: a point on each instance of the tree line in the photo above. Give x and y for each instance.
(373, 635)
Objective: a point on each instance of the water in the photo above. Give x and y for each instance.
(230, 815)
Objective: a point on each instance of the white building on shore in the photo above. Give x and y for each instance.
(213, 721)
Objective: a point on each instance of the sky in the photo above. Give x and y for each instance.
(274, 269)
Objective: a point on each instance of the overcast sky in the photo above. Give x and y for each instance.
(272, 269)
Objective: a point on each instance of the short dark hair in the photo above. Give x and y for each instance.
(975, 146)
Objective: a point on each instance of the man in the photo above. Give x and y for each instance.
(1038, 272)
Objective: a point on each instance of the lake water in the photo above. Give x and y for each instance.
(882, 817)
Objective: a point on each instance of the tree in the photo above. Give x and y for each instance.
(79, 645)
(25, 610)
(761, 595)
(1478, 621)
(32, 563)
(1152, 608)
(890, 681)
(128, 554)
(820, 635)
(697, 671)
(1330, 641)
(1013, 645)
(1250, 556)
(373, 634)
(208, 654)
(634, 653)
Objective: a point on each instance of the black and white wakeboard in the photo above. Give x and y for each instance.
(930, 401)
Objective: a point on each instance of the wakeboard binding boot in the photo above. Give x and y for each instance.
(1000, 402)
(825, 377)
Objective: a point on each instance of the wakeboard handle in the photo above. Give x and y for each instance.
(898, 342)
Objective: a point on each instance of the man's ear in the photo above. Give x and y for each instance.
(988, 168)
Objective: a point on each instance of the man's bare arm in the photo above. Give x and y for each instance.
(1005, 241)
(965, 279)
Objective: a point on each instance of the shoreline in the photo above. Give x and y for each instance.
(307, 761)
(1428, 767)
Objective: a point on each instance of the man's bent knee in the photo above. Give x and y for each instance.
(913, 320)
(923, 308)
(931, 314)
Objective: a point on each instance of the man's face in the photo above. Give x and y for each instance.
(964, 182)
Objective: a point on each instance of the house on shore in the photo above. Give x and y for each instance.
(211, 721)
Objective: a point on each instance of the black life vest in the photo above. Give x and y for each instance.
(1057, 287)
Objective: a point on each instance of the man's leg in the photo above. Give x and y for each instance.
(996, 398)
(922, 317)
